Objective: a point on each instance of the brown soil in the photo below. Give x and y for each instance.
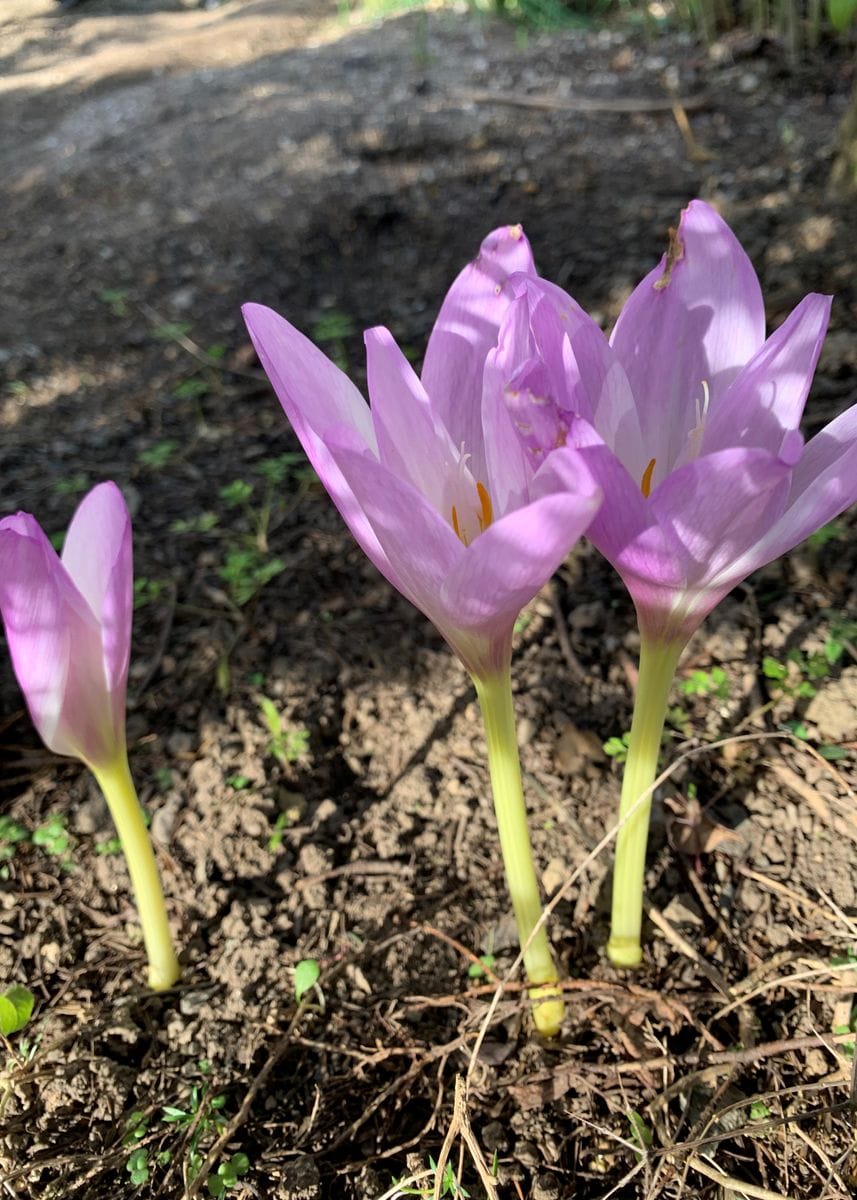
(159, 165)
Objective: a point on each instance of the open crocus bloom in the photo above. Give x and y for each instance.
(688, 418)
(466, 530)
(420, 478)
(68, 624)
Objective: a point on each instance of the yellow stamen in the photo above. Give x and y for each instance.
(646, 482)
(455, 525)
(487, 514)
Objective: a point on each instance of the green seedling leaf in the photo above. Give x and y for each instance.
(617, 747)
(640, 1131)
(271, 715)
(191, 389)
(156, 457)
(833, 753)
(72, 485)
(16, 1008)
(477, 970)
(772, 669)
(277, 470)
(759, 1111)
(239, 783)
(108, 846)
(332, 327)
(147, 591)
(306, 976)
(137, 1166)
(235, 493)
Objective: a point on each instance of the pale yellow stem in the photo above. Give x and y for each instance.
(116, 783)
(657, 668)
(495, 699)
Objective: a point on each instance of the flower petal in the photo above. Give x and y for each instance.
(419, 545)
(55, 644)
(412, 443)
(713, 511)
(312, 390)
(824, 484)
(697, 317)
(767, 398)
(507, 564)
(317, 397)
(97, 554)
(467, 327)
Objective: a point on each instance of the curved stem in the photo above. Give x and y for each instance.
(116, 783)
(657, 668)
(495, 700)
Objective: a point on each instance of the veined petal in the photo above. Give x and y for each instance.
(767, 398)
(418, 543)
(823, 484)
(317, 397)
(507, 467)
(412, 442)
(714, 509)
(596, 386)
(466, 329)
(624, 529)
(698, 317)
(97, 554)
(508, 563)
(312, 390)
(55, 644)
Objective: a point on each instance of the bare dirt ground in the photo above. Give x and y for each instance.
(158, 166)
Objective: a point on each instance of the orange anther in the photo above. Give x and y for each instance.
(486, 515)
(646, 482)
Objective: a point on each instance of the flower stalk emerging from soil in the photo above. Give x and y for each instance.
(435, 488)
(68, 625)
(657, 668)
(495, 700)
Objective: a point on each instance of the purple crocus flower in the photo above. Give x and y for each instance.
(466, 531)
(68, 624)
(465, 536)
(689, 420)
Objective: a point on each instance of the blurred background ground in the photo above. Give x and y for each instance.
(160, 164)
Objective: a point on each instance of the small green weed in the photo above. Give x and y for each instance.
(72, 485)
(147, 591)
(16, 1008)
(307, 972)
(834, 531)
(246, 572)
(707, 683)
(53, 837)
(617, 747)
(11, 836)
(203, 522)
(191, 389)
(640, 1131)
(481, 969)
(286, 745)
(159, 455)
(116, 300)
